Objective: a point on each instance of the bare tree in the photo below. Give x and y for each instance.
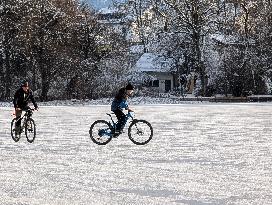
(192, 20)
(8, 21)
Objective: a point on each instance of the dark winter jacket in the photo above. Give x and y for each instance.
(21, 99)
(120, 100)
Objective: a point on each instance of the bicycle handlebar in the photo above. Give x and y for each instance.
(31, 109)
(131, 114)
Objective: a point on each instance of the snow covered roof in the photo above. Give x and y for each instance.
(228, 39)
(136, 49)
(224, 38)
(107, 10)
(150, 62)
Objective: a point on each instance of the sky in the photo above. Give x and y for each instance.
(98, 4)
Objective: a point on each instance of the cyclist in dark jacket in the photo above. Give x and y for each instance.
(20, 102)
(119, 104)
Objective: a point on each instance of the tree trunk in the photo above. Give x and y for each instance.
(41, 62)
(1, 76)
(7, 73)
(45, 89)
(196, 19)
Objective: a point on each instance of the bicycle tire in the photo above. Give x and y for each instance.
(142, 133)
(30, 130)
(100, 132)
(12, 129)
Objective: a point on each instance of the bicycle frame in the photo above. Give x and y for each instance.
(25, 117)
(113, 123)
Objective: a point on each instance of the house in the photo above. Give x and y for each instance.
(159, 69)
(112, 18)
(120, 22)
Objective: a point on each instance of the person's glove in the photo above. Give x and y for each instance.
(131, 114)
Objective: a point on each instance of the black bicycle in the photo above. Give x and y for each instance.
(27, 126)
(140, 132)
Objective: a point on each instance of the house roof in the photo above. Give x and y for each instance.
(107, 10)
(229, 39)
(150, 62)
(136, 49)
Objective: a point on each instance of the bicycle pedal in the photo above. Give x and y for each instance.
(17, 136)
(115, 135)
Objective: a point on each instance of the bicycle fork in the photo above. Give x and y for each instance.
(138, 130)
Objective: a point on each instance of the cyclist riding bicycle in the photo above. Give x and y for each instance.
(20, 102)
(120, 104)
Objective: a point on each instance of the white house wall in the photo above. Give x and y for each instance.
(162, 77)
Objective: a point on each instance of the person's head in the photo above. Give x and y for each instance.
(129, 89)
(25, 85)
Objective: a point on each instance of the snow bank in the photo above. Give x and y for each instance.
(107, 101)
(139, 101)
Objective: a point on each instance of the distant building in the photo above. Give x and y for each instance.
(120, 22)
(159, 68)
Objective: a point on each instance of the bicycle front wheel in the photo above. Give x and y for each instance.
(30, 130)
(101, 132)
(140, 132)
(15, 132)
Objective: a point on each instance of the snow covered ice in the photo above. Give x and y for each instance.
(200, 154)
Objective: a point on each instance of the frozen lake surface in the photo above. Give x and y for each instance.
(201, 154)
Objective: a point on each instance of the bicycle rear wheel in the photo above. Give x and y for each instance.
(140, 132)
(30, 130)
(15, 134)
(101, 132)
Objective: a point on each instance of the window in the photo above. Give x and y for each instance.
(154, 83)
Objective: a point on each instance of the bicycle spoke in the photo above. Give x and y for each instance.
(30, 130)
(100, 132)
(140, 132)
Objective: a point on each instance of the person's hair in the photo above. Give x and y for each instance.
(129, 87)
(24, 83)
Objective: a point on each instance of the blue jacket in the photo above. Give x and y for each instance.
(120, 101)
(119, 105)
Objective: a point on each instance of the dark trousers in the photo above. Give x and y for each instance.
(18, 114)
(122, 119)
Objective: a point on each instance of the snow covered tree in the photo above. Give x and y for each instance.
(102, 54)
(190, 21)
(262, 56)
(37, 41)
(141, 17)
(242, 66)
(63, 48)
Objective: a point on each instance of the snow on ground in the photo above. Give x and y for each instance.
(201, 154)
(107, 101)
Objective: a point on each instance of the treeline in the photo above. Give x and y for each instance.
(60, 47)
